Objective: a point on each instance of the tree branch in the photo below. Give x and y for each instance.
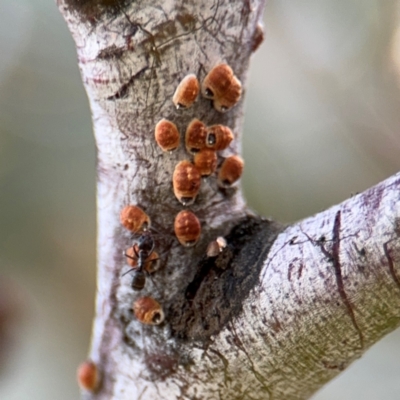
(281, 310)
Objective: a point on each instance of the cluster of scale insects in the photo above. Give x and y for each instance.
(202, 142)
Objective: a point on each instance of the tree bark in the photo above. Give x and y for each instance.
(282, 310)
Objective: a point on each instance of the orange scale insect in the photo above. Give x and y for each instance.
(167, 135)
(88, 376)
(223, 87)
(195, 137)
(187, 91)
(186, 182)
(218, 137)
(231, 170)
(187, 228)
(206, 162)
(148, 311)
(134, 218)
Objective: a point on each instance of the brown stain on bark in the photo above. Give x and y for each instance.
(91, 10)
(295, 264)
(289, 277)
(161, 364)
(111, 52)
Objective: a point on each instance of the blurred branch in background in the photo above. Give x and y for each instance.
(12, 306)
(327, 124)
(321, 123)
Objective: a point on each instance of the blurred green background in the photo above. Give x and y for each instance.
(322, 123)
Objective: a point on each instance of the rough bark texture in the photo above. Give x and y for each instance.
(282, 310)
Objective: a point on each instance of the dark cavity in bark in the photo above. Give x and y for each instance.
(221, 284)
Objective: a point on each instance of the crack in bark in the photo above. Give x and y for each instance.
(334, 257)
(224, 362)
(238, 343)
(142, 393)
(122, 92)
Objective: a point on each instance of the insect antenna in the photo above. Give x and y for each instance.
(127, 272)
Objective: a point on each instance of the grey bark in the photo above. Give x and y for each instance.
(283, 309)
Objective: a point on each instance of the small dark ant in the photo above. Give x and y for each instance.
(142, 250)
